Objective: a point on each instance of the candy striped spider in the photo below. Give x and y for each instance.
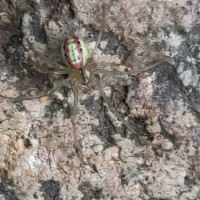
(77, 64)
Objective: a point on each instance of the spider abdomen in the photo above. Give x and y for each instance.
(74, 52)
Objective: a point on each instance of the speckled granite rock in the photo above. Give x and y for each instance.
(41, 158)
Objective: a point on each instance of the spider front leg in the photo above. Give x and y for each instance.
(131, 72)
(75, 91)
(103, 24)
(44, 69)
(97, 42)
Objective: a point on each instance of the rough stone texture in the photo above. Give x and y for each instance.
(39, 158)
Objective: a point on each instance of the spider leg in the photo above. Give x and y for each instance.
(103, 22)
(97, 42)
(131, 72)
(56, 88)
(74, 112)
(59, 85)
(75, 91)
(113, 110)
(60, 72)
(45, 69)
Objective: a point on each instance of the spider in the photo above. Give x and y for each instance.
(77, 62)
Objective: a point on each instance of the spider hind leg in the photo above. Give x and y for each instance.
(50, 92)
(114, 111)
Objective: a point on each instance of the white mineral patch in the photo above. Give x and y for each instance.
(61, 97)
(103, 44)
(4, 18)
(180, 67)
(167, 145)
(98, 148)
(52, 26)
(186, 77)
(112, 152)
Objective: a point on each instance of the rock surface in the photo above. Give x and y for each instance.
(47, 155)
